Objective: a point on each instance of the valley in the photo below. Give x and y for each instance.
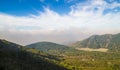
(59, 34)
(53, 56)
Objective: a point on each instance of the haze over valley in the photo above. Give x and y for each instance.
(25, 22)
(59, 34)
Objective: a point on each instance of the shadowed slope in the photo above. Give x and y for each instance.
(15, 57)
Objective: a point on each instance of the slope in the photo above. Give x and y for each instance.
(108, 41)
(51, 48)
(16, 57)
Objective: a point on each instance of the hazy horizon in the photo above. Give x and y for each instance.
(60, 21)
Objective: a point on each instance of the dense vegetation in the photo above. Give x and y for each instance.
(109, 41)
(83, 60)
(51, 48)
(60, 57)
(16, 57)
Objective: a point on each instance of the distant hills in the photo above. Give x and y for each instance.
(108, 41)
(93, 43)
(51, 48)
(52, 56)
(17, 57)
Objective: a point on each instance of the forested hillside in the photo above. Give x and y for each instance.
(51, 48)
(52, 56)
(16, 57)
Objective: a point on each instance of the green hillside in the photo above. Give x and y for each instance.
(109, 41)
(42, 55)
(51, 48)
(16, 57)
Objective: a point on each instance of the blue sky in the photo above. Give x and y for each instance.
(26, 7)
(60, 21)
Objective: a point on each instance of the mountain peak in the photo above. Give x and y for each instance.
(107, 41)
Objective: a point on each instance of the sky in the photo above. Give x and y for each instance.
(60, 21)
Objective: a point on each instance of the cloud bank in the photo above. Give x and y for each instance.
(83, 20)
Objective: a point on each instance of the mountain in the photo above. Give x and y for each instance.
(51, 48)
(108, 41)
(17, 57)
(9, 45)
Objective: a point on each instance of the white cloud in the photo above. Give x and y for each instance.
(80, 23)
(93, 7)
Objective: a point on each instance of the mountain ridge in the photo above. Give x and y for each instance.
(17, 57)
(50, 47)
(108, 41)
